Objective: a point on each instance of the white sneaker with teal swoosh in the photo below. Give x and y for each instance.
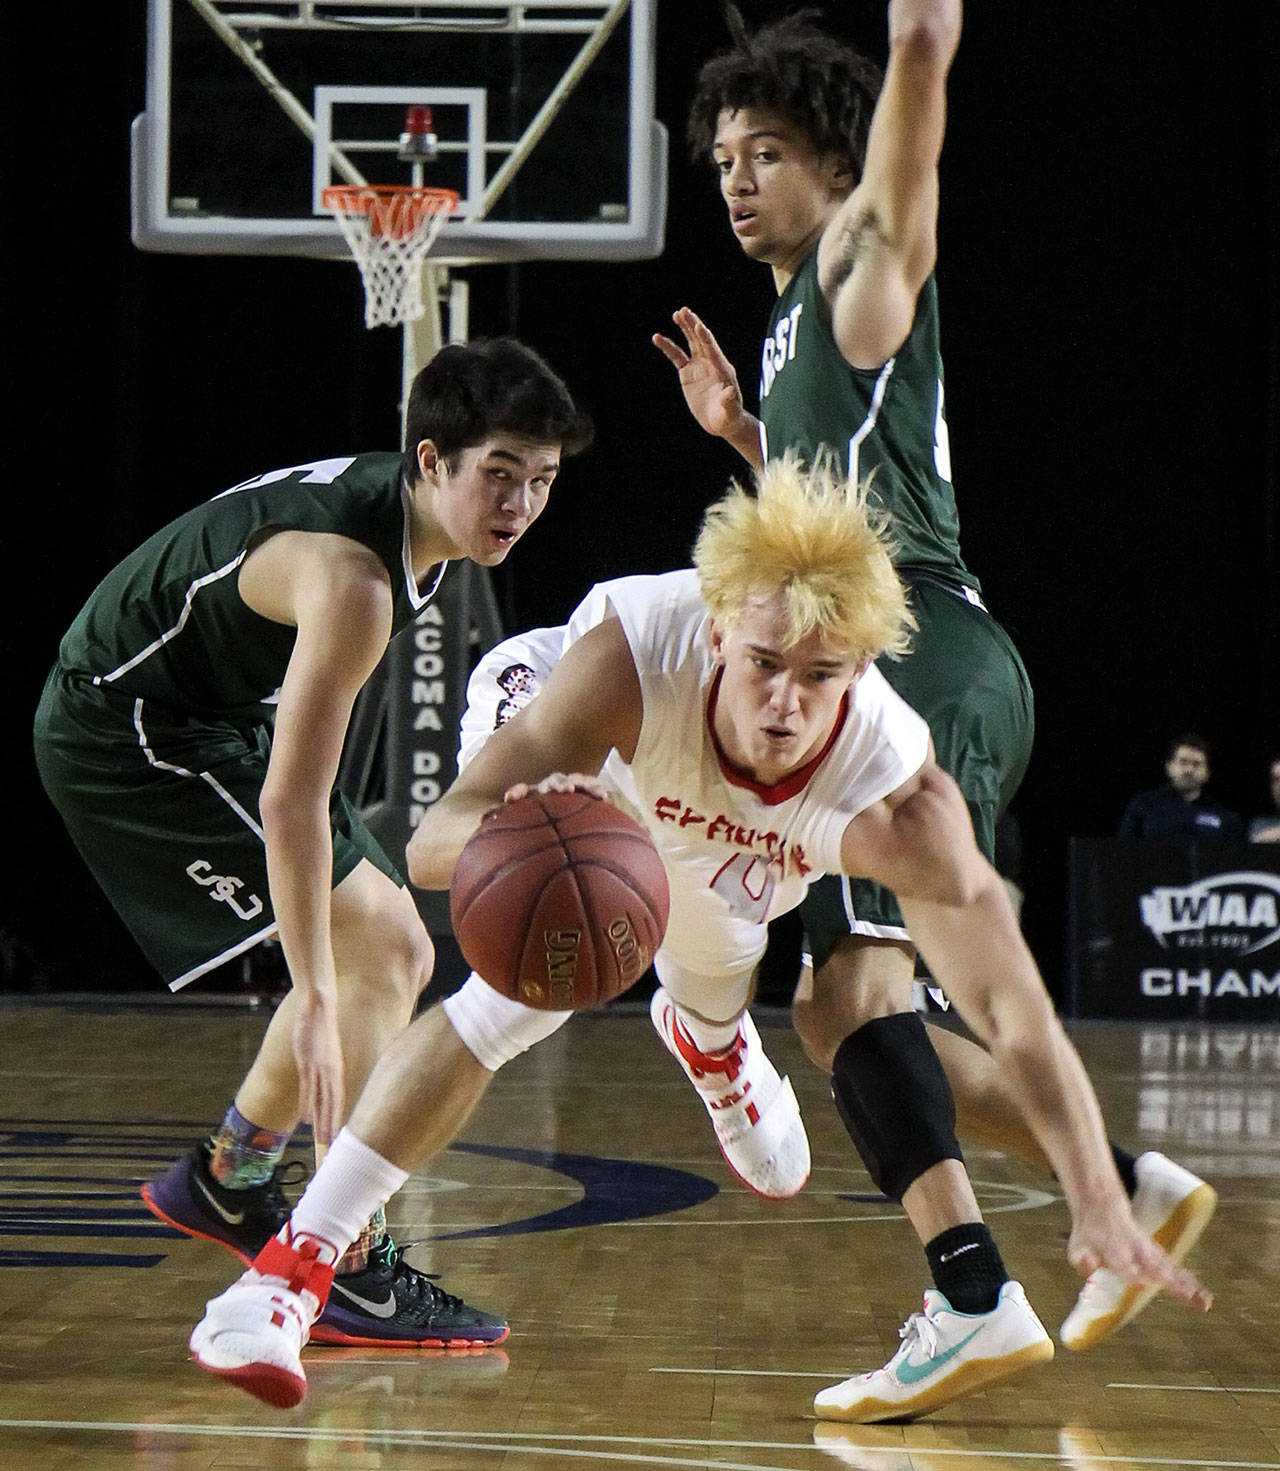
(1172, 1206)
(944, 1354)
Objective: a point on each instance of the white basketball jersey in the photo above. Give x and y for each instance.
(737, 853)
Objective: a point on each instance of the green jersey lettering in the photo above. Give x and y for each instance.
(888, 424)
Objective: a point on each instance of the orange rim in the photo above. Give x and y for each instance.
(391, 209)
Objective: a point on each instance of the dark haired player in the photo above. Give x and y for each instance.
(829, 175)
(190, 733)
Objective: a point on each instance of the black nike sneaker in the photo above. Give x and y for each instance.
(187, 1197)
(390, 1304)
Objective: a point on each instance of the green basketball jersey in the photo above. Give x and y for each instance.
(889, 420)
(168, 623)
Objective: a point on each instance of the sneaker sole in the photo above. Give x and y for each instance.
(1177, 1236)
(755, 1189)
(264, 1381)
(968, 1379)
(323, 1333)
(190, 1231)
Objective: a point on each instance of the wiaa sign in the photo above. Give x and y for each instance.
(1159, 929)
(1231, 911)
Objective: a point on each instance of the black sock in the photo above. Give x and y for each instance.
(1125, 1163)
(966, 1267)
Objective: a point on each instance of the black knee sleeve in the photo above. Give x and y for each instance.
(895, 1101)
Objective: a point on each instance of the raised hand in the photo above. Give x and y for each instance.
(710, 385)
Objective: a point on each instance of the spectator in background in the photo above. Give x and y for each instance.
(1180, 809)
(1267, 829)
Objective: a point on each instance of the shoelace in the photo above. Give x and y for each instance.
(291, 1173)
(387, 1260)
(919, 1331)
(727, 1064)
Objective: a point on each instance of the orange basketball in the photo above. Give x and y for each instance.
(559, 900)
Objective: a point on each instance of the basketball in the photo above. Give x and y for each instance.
(559, 900)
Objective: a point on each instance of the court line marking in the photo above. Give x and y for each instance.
(1196, 1388)
(835, 1374)
(1024, 1198)
(754, 1373)
(512, 1440)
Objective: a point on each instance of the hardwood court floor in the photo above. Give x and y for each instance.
(664, 1317)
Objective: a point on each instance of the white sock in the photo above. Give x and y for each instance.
(350, 1184)
(708, 1036)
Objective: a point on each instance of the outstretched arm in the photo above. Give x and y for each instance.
(338, 596)
(589, 705)
(710, 386)
(920, 844)
(877, 252)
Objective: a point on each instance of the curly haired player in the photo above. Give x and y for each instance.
(828, 170)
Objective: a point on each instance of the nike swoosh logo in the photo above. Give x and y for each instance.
(232, 1218)
(948, 1256)
(909, 1373)
(378, 1309)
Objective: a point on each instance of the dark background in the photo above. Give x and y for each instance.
(1111, 325)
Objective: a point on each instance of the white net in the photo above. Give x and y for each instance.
(390, 232)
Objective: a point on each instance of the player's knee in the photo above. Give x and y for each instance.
(411, 955)
(893, 1098)
(811, 1018)
(382, 943)
(857, 983)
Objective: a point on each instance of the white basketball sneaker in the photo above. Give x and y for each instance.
(944, 1354)
(754, 1111)
(253, 1334)
(1173, 1206)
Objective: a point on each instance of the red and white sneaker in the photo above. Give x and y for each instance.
(754, 1111)
(254, 1333)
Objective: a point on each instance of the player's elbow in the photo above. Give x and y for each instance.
(430, 867)
(960, 884)
(290, 814)
(935, 828)
(928, 35)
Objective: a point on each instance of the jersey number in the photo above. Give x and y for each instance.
(318, 472)
(746, 886)
(941, 442)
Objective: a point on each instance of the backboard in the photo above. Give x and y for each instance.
(542, 110)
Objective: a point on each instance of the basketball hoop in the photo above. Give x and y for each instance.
(390, 231)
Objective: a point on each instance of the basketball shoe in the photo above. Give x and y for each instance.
(253, 1334)
(188, 1198)
(1173, 1206)
(754, 1111)
(944, 1354)
(390, 1304)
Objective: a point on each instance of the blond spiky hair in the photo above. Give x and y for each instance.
(810, 535)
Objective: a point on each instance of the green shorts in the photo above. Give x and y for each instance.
(164, 810)
(965, 677)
